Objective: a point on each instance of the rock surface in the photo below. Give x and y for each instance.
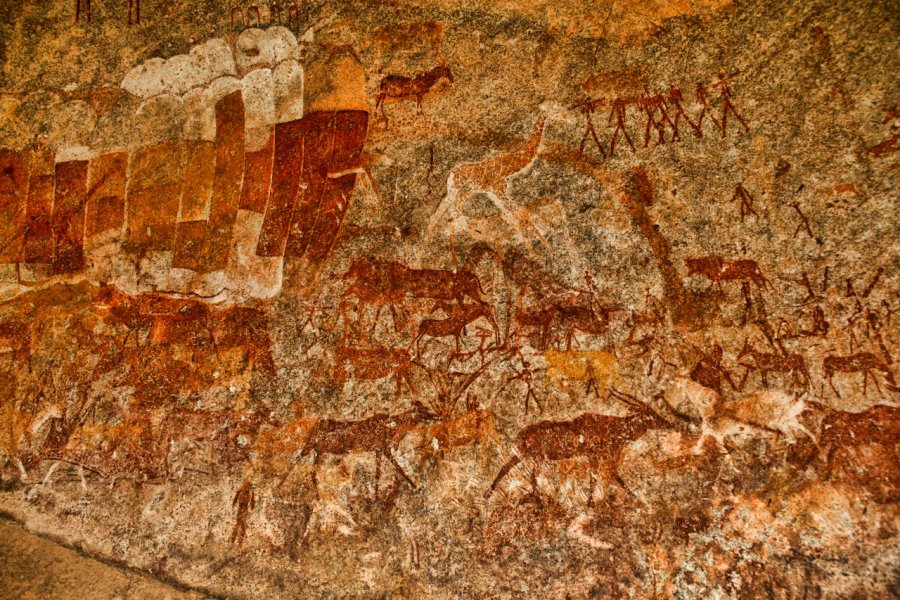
(451, 299)
(34, 568)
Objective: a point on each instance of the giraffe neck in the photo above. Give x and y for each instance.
(526, 153)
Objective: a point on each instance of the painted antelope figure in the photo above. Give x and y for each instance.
(378, 433)
(717, 270)
(578, 311)
(842, 430)
(474, 425)
(766, 362)
(774, 411)
(599, 438)
(458, 317)
(590, 318)
(710, 372)
(535, 322)
(388, 283)
(399, 87)
(165, 319)
(373, 364)
(860, 362)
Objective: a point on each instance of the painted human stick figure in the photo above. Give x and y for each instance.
(587, 108)
(745, 201)
(804, 222)
(650, 104)
(87, 10)
(618, 111)
(526, 375)
(727, 105)
(675, 98)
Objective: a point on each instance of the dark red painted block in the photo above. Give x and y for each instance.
(339, 140)
(155, 181)
(38, 232)
(257, 177)
(68, 216)
(105, 208)
(196, 196)
(332, 210)
(287, 166)
(190, 245)
(13, 198)
(350, 130)
(227, 180)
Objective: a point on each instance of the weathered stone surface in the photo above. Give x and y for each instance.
(451, 299)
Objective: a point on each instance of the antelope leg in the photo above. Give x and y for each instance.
(503, 471)
(400, 470)
(450, 199)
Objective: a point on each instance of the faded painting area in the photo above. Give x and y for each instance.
(439, 299)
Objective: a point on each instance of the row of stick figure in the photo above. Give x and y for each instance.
(662, 110)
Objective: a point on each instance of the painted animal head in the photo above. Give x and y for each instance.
(443, 71)
(555, 110)
(419, 413)
(690, 399)
(361, 268)
(643, 413)
(108, 295)
(748, 349)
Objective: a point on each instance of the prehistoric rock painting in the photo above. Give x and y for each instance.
(181, 197)
(595, 300)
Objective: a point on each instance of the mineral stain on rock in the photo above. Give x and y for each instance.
(439, 299)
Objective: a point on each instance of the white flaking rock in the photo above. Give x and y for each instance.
(193, 112)
(253, 50)
(72, 124)
(69, 153)
(257, 48)
(205, 62)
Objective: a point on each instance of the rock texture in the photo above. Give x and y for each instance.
(452, 299)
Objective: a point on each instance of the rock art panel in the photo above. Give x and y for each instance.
(581, 300)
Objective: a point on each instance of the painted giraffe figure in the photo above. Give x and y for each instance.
(491, 176)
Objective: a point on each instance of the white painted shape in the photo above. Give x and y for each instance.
(259, 98)
(213, 59)
(146, 79)
(159, 117)
(180, 74)
(288, 85)
(253, 49)
(69, 153)
(193, 109)
(283, 42)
